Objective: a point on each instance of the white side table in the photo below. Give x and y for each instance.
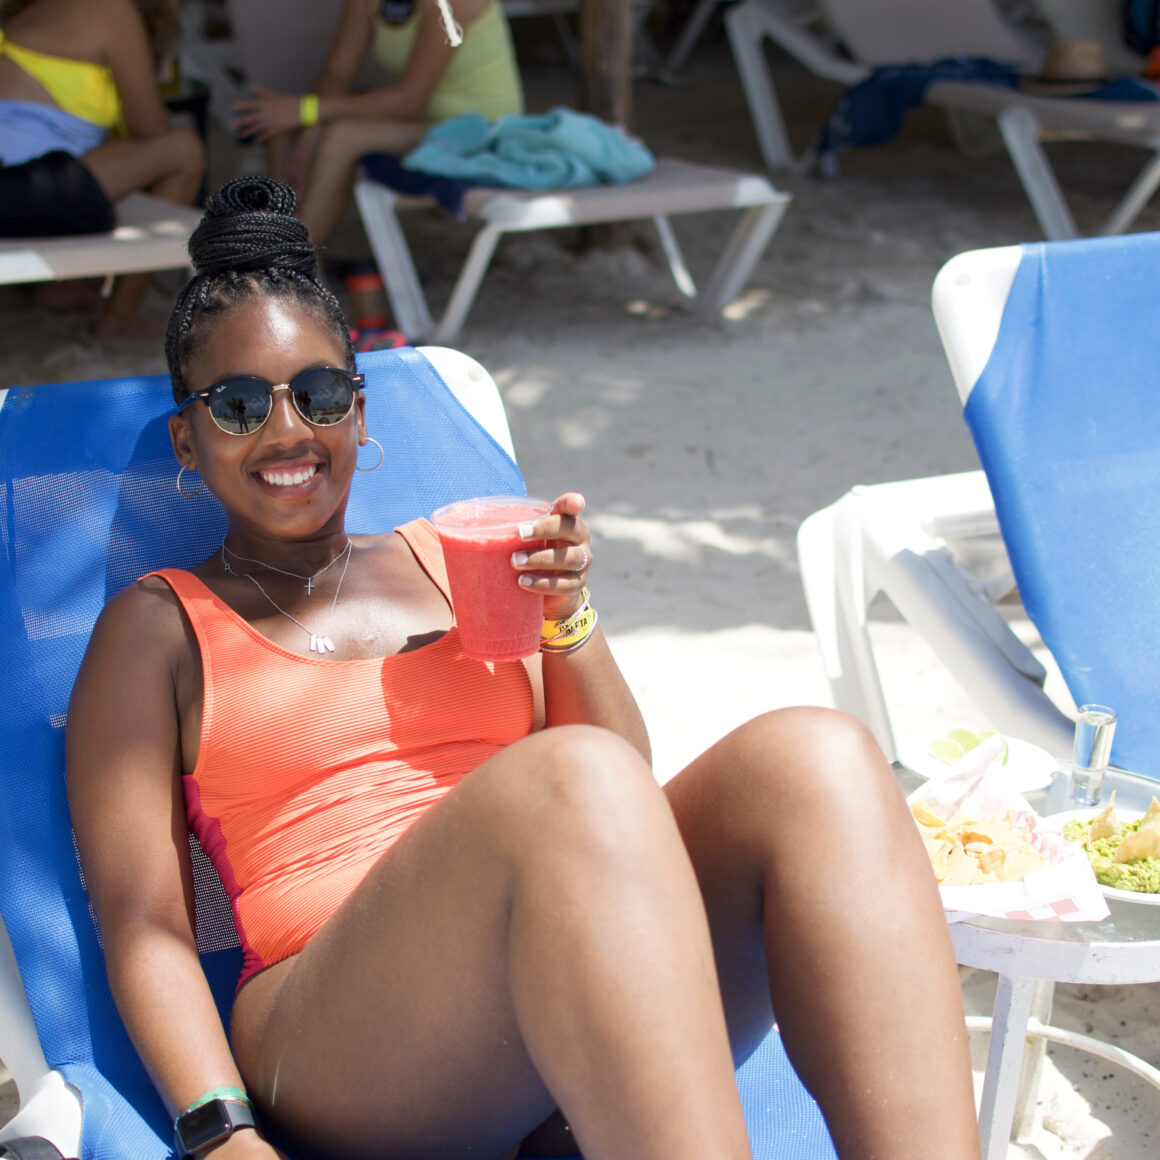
(1030, 957)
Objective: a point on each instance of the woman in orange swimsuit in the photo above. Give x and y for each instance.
(464, 899)
(82, 124)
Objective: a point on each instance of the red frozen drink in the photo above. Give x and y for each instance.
(498, 620)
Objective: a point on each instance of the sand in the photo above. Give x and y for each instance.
(702, 444)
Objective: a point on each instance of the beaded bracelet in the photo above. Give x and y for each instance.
(308, 110)
(570, 632)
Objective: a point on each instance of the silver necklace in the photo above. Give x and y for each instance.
(319, 642)
(310, 580)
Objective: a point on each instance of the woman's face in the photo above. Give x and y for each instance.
(287, 480)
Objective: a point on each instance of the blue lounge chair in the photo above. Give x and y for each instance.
(87, 479)
(1051, 349)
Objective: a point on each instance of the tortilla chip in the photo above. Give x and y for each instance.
(961, 868)
(926, 817)
(1105, 824)
(1152, 814)
(1144, 843)
(1019, 861)
(968, 850)
(937, 849)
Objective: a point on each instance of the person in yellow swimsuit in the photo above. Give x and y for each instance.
(315, 141)
(82, 124)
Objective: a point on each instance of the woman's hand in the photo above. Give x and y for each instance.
(560, 569)
(261, 116)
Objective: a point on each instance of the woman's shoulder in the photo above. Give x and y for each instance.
(148, 608)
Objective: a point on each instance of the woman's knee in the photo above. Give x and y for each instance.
(341, 144)
(576, 783)
(800, 757)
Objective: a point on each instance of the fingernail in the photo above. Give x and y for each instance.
(525, 531)
(527, 581)
(519, 559)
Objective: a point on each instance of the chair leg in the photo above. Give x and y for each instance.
(746, 38)
(741, 254)
(690, 34)
(467, 283)
(675, 256)
(1137, 197)
(376, 206)
(1020, 131)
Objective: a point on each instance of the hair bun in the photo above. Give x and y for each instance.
(249, 224)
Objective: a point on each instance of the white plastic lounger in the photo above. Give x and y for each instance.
(151, 234)
(674, 187)
(845, 40)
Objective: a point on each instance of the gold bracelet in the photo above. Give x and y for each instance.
(308, 110)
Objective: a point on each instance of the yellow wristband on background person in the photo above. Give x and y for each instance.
(308, 110)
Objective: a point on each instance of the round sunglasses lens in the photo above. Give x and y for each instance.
(324, 397)
(240, 406)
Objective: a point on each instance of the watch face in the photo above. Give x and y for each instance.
(203, 1126)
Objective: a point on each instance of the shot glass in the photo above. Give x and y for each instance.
(1094, 728)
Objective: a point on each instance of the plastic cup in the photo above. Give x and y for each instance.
(498, 620)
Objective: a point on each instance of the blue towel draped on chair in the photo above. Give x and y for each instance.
(1066, 421)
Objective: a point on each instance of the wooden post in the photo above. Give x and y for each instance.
(606, 59)
(606, 85)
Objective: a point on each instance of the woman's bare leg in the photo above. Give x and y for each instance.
(332, 174)
(819, 892)
(170, 167)
(536, 938)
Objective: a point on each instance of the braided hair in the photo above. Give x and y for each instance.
(248, 243)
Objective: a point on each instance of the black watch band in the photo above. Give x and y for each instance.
(212, 1123)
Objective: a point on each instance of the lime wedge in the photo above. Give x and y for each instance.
(959, 742)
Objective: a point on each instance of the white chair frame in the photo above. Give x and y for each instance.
(151, 234)
(893, 538)
(674, 187)
(1023, 120)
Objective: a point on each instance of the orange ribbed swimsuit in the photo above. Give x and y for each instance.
(308, 769)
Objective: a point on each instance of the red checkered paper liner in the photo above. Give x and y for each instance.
(1065, 889)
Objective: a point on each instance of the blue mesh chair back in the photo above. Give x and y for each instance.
(87, 483)
(1066, 421)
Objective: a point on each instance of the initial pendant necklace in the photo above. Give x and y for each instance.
(319, 642)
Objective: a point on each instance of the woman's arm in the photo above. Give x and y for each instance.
(125, 47)
(268, 112)
(125, 797)
(583, 685)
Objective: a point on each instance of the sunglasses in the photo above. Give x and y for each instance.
(239, 405)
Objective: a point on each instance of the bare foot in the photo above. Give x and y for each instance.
(128, 328)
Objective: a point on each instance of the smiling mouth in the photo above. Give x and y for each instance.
(288, 478)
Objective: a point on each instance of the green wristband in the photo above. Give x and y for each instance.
(226, 1092)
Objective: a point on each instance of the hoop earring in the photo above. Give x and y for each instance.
(188, 494)
(371, 439)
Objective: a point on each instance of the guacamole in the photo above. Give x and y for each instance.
(1142, 875)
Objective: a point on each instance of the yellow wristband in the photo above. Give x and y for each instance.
(565, 635)
(308, 110)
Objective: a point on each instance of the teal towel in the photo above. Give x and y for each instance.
(555, 150)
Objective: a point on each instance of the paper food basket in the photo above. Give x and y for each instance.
(1065, 889)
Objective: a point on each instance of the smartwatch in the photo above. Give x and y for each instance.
(212, 1123)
